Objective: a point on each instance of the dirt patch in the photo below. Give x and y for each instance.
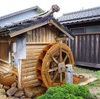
(94, 86)
(95, 91)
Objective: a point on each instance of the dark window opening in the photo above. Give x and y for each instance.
(85, 30)
(92, 29)
(78, 30)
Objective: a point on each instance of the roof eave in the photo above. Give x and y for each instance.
(13, 34)
(60, 27)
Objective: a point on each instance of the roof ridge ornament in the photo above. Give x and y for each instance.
(54, 8)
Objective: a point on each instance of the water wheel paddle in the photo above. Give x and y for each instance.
(51, 64)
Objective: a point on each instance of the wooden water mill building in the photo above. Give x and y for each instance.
(35, 50)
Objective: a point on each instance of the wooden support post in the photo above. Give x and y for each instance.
(9, 52)
(19, 74)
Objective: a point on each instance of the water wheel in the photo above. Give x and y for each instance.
(51, 64)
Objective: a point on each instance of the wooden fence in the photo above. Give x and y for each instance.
(86, 50)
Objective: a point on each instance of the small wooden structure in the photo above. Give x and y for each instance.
(33, 49)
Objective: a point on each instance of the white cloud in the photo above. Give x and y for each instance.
(9, 6)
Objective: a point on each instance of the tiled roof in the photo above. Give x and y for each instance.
(86, 15)
(22, 11)
(6, 30)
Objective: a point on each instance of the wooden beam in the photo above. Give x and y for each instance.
(60, 28)
(12, 34)
(19, 75)
(4, 61)
(39, 43)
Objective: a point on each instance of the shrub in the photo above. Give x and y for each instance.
(58, 95)
(53, 90)
(69, 88)
(45, 96)
(83, 91)
(67, 91)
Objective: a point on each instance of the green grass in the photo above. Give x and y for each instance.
(98, 74)
(98, 93)
(92, 84)
(83, 70)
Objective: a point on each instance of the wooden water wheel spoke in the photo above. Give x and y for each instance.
(65, 58)
(55, 76)
(52, 64)
(69, 59)
(54, 59)
(53, 69)
(64, 51)
(60, 55)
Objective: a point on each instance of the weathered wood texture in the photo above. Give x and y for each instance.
(43, 34)
(4, 67)
(29, 77)
(36, 39)
(48, 70)
(86, 50)
(4, 48)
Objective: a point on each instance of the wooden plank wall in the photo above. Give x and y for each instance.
(43, 34)
(86, 50)
(36, 40)
(29, 77)
(4, 67)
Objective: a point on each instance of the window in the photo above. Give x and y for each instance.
(86, 30)
(93, 29)
(78, 30)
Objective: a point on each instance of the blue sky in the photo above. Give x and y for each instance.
(66, 6)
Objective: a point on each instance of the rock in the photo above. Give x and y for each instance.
(14, 84)
(81, 76)
(2, 91)
(11, 91)
(22, 97)
(12, 98)
(29, 93)
(25, 98)
(3, 96)
(6, 87)
(19, 93)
